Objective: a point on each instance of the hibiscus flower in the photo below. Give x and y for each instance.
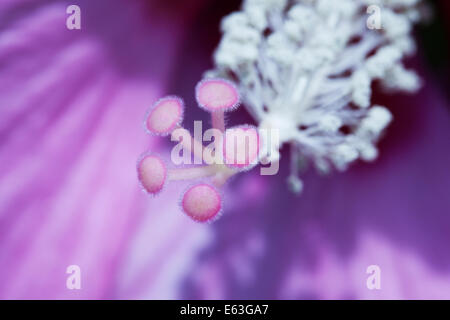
(72, 103)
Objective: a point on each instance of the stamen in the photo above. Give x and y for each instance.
(294, 182)
(165, 115)
(218, 120)
(241, 147)
(223, 175)
(217, 94)
(192, 173)
(152, 173)
(202, 202)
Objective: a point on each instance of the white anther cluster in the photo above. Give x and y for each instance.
(306, 68)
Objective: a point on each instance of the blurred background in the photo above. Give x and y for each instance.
(72, 104)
